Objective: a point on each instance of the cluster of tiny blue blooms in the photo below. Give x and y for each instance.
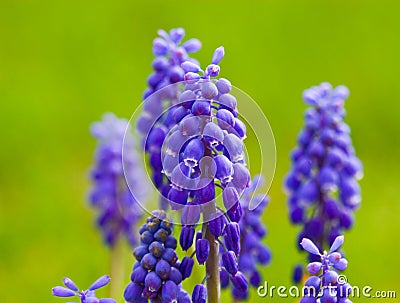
(205, 151)
(118, 205)
(157, 274)
(155, 120)
(85, 296)
(324, 285)
(252, 232)
(323, 184)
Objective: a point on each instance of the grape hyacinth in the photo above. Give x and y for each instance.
(252, 232)
(322, 184)
(157, 274)
(202, 152)
(325, 285)
(154, 122)
(85, 296)
(119, 209)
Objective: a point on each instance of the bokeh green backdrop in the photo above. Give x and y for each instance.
(64, 63)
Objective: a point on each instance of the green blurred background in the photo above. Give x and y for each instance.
(64, 63)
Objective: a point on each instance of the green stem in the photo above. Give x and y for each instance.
(212, 263)
(117, 269)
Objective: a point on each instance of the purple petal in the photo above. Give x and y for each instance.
(309, 246)
(100, 282)
(219, 53)
(70, 284)
(337, 244)
(60, 291)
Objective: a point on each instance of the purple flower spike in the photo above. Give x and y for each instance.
(118, 204)
(159, 111)
(156, 277)
(199, 294)
(202, 149)
(248, 215)
(322, 186)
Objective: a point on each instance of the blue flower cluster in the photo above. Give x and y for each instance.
(157, 274)
(118, 205)
(205, 150)
(325, 285)
(252, 232)
(85, 296)
(206, 145)
(322, 184)
(155, 122)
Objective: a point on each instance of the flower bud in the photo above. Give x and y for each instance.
(202, 250)
(199, 294)
(229, 262)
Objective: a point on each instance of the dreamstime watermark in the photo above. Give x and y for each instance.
(294, 291)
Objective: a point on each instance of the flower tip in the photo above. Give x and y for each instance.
(219, 53)
(189, 66)
(177, 34)
(337, 243)
(342, 91)
(70, 284)
(60, 291)
(309, 246)
(100, 282)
